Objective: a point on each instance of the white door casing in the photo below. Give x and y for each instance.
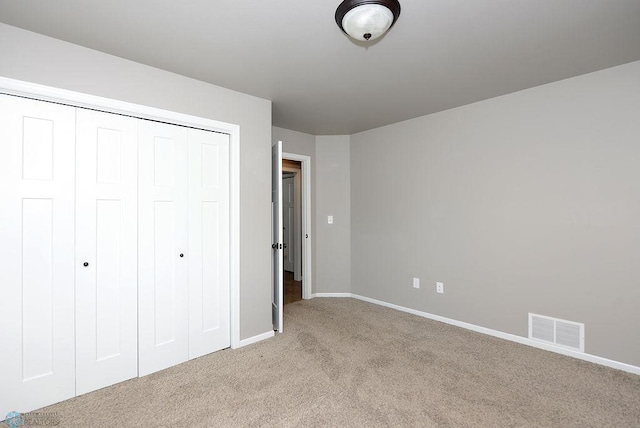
(36, 253)
(76, 99)
(106, 240)
(288, 228)
(71, 98)
(276, 221)
(163, 321)
(208, 255)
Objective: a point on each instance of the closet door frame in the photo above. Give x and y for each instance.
(77, 99)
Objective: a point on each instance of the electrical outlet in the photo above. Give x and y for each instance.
(440, 287)
(330, 219)
(416, 282)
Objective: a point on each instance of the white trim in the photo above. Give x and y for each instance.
(76, 99)
(255, 339)
(234, 217)
(496, 333)
(305, 162)
(92, 102)
(332, 295)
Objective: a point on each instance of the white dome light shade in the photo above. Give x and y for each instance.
(367, 22)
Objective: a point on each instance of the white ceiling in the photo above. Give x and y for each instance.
(440, 54)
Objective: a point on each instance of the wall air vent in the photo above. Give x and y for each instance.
(562, 333)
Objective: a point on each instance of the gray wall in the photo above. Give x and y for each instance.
(333, 197)
(330, 195)
(35, 58)
(529, 202)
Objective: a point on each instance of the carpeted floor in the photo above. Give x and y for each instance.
(343, 362)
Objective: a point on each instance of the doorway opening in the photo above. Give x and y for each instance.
(298, 239)
(296, 228)
(291, 230)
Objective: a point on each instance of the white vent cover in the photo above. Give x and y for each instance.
(566, 334)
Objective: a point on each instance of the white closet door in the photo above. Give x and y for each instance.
(209, 328)
(36, 253)
(106, 241)
(162, 246)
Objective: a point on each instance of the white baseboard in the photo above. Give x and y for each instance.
(255, 339)
(331, 295)
(500, 334)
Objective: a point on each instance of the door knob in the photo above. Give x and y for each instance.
(181, 255)
(85, 264)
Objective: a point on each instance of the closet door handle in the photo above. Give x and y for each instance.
(85, 264)
(181, 255)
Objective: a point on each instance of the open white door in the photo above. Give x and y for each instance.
(276, 205)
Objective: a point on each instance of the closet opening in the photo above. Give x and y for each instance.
(107, 204)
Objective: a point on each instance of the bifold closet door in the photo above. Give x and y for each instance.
(162, 246)
(209, 327)
(106, 250)
(37, 366)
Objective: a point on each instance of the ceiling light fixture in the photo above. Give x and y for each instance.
(366, 20)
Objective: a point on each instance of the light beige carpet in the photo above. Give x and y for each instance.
(343, 362)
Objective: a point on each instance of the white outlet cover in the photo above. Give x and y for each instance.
(440, 287)
(330, 219)
(416, 282)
